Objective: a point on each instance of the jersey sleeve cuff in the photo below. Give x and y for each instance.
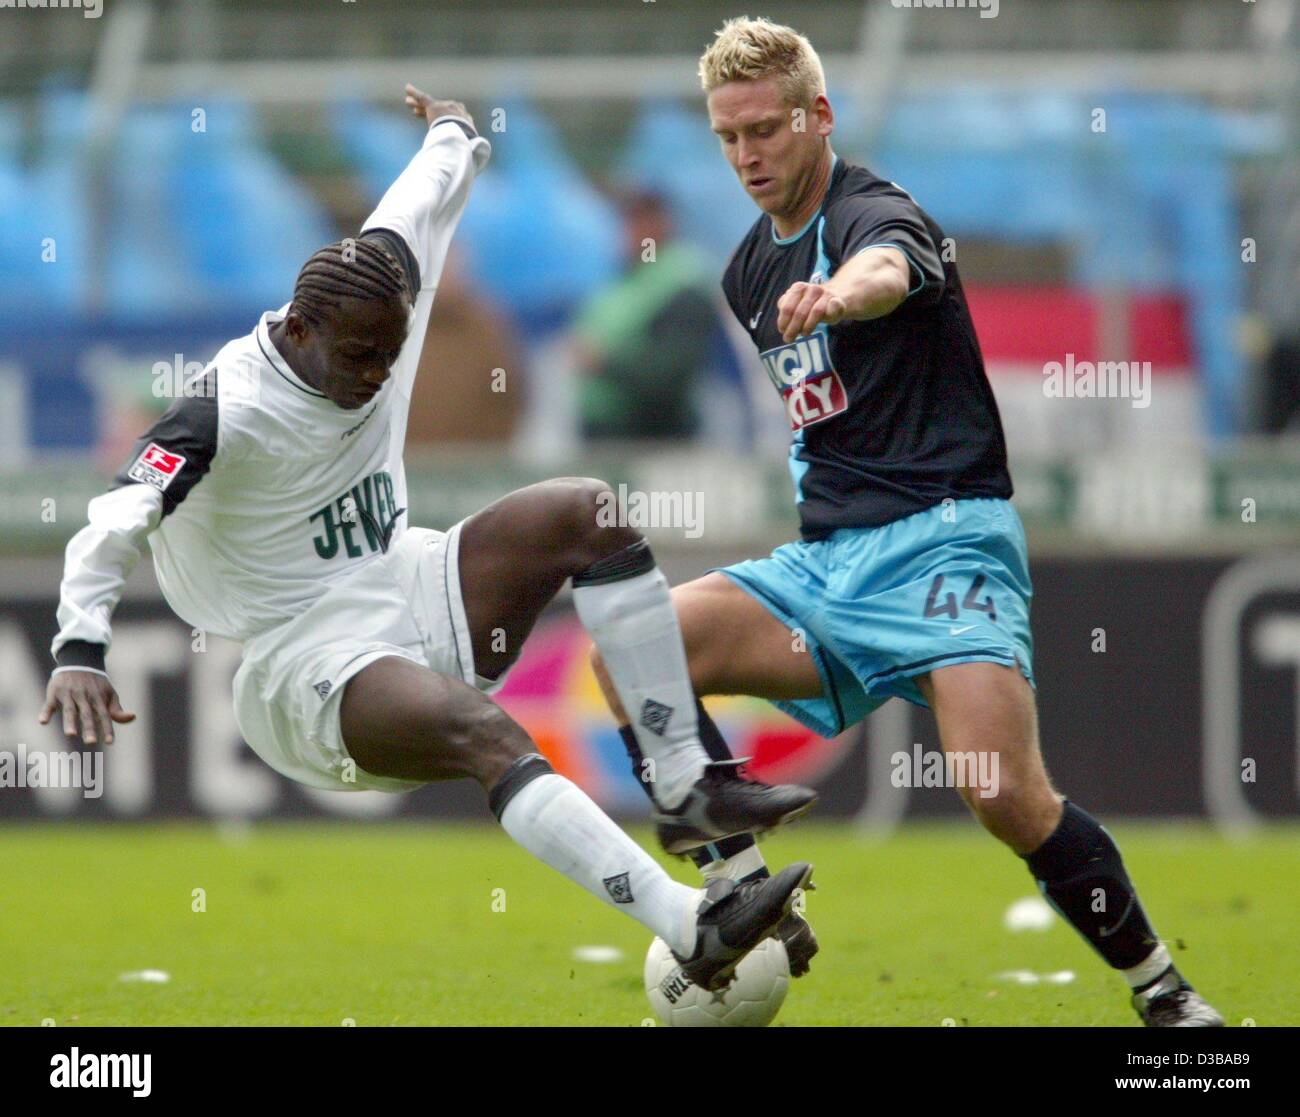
(465, 125)
(81, 653)
(912, 266)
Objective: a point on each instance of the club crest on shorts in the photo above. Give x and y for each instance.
(156, 467)
(655, 716)
(322, 688)
(619, 888)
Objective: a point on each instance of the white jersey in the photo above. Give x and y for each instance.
(256, 492)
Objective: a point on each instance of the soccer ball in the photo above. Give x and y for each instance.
(752, 1000)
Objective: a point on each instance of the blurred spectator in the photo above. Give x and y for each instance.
(470, 384)
(646, 341)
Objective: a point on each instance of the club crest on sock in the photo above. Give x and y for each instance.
(655, 716)
(619, 888)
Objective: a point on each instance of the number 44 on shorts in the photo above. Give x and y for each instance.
(946, 605)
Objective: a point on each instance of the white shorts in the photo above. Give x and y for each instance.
(289, 688)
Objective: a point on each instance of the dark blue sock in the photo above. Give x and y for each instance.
(1080, 871)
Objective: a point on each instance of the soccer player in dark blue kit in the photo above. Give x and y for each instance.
(911, 578)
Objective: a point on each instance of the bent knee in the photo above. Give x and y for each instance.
(586, 520)
(579, 505)
(1020, 812)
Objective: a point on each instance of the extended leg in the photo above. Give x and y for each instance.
(987, 720)
(401, 720)
(733, 646)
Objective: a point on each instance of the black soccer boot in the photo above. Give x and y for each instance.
(721, 804)
(733, 918)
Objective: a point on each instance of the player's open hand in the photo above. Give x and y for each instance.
(805, 307)
(88, 699)
(431, 108)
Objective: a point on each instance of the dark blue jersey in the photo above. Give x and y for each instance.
(889, 416)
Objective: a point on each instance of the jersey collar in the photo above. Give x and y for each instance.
(272, 355)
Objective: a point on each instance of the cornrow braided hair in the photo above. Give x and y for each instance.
(348, 269)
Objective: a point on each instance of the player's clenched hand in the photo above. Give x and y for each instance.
(88, 699)
(805, 307)
(431, 108)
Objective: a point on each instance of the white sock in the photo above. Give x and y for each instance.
(557, 823)
(1151, 968)
(635, 628)
(737, 866)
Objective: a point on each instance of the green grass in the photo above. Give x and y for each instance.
(315, 924)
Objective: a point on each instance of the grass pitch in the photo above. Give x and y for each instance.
(321, 924)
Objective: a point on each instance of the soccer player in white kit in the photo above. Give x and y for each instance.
(273, 498)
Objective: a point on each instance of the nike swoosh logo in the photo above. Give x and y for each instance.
(959, 631)
(753, 322)
(1106, 932)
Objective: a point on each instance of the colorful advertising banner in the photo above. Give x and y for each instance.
(1166, 687)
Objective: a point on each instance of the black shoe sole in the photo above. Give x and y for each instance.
(679, 839)
(801, 947)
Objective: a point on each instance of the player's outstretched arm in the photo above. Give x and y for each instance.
(418, 214)
(165, 465)
(870, 285)
(99, 558)
(424, 204)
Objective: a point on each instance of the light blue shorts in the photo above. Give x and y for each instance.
(878, 606)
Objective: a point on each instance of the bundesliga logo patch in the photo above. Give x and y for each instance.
(156, 467)
(809, 385)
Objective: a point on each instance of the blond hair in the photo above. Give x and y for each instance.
(747, 49)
